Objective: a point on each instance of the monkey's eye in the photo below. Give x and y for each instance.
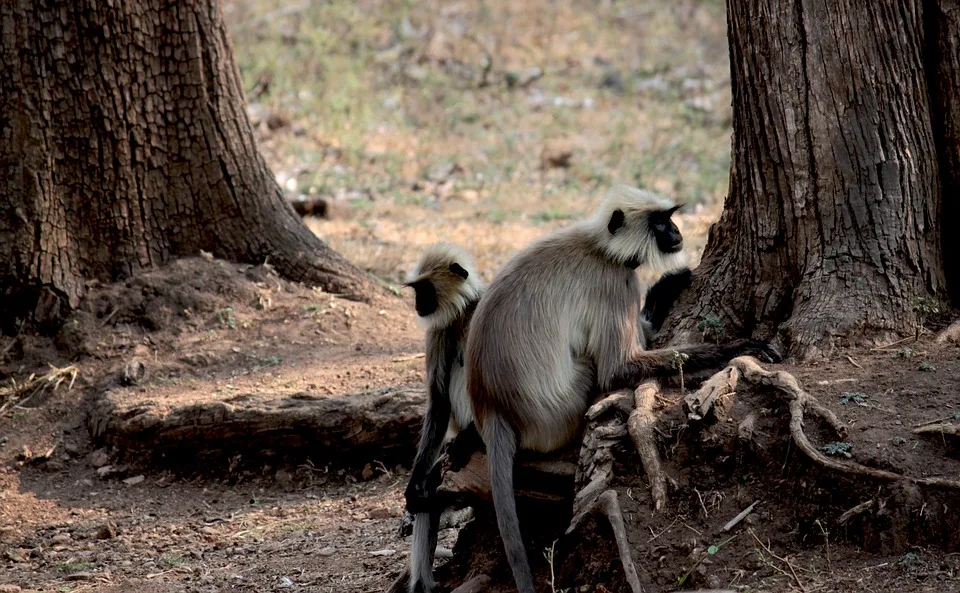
(660, 227)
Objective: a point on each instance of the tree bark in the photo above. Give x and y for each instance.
(345, 429)
(830, 232)
(943, 67)
(124, 142)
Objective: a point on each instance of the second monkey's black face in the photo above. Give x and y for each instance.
(669, 239)
(443, 283)
(426, 297)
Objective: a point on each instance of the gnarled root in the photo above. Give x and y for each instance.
(608, 504)
(640, 426)
(716, 395)
(595, 465)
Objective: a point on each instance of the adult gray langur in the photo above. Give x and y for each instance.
(560, 320)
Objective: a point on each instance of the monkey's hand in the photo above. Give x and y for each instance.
(758, 348)
(419, 497)
(406, 525)
(421, 493)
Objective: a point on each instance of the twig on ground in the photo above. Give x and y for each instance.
(793, 572)
(860, 508)
(409, 358)
(706, 515)
(935, 421)
(665, 529)
(891, 344)
(553, 577)
(740, 517)
(853, 362)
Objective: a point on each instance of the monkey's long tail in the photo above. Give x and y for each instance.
(423, 547)
(501, 442)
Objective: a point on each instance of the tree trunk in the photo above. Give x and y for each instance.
(830, 232)
(943, 71)
(124, 143)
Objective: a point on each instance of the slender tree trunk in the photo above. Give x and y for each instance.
(830, 232)
(124, 143)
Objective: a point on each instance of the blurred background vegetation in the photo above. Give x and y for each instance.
(486, 123)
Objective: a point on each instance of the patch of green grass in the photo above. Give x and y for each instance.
(374, 98)
(712, 328)
(73, 567)
(908, 559)
(923, 308)
(853, 397)
(837, 449)
(171, 560)
(225, 318)
(552, 215)
(926, 367)
(905, 353)
(898, 441)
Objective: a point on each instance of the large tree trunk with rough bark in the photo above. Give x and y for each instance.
(124, 142)
(845, 153)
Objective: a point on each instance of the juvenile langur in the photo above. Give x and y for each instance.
(447, 291)
(561, 319)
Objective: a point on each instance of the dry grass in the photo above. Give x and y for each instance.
(427, 121)
(21, 394)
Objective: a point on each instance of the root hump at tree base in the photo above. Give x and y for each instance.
(716, 394)
(616, 550)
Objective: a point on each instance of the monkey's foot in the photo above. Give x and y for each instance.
(716, 397)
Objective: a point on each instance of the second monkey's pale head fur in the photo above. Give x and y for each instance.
(624, 226)
(446, 282)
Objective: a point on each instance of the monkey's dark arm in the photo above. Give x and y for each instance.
(651, 364)
(663, 294)
(418, 493)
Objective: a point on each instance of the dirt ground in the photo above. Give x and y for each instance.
(312, 527)
(488, 124)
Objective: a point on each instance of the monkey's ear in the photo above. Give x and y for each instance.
(674, 209)
(459, 271)
(616, 221)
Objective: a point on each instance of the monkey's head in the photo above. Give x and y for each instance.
(445, 282)
(635, 228)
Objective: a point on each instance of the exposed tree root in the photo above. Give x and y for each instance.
(715, 396)
(608, 504)
(950, 334)
(475, 585)
(944, 428)
(640, 425)
(595, 467)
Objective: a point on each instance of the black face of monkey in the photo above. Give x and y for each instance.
(426, 294)
(429, 293)
(669, 239)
